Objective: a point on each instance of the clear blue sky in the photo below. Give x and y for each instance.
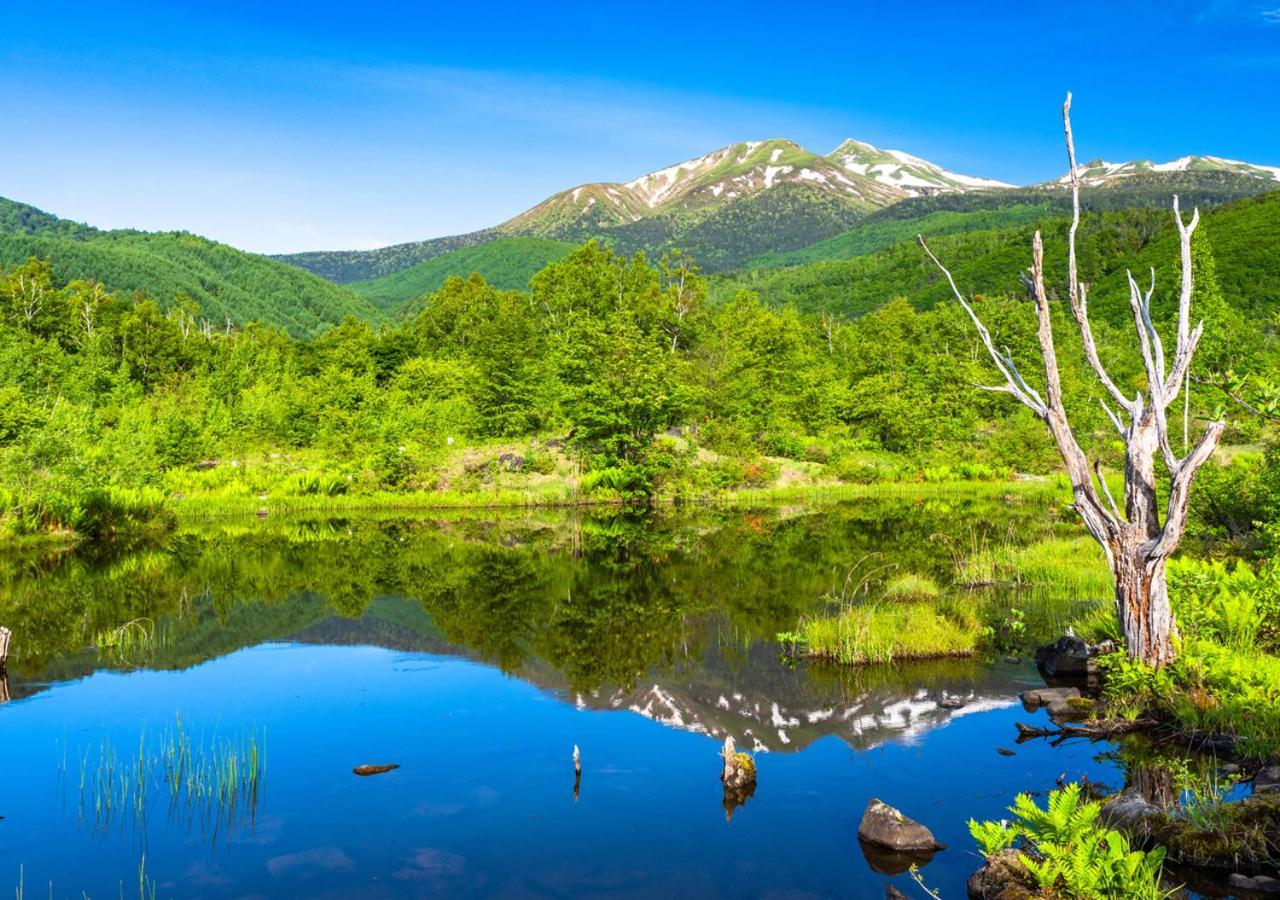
(282, 126)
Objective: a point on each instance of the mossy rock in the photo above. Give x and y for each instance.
(1249, 837)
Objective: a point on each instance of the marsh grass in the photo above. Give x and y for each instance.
(911, 586)
(878, 617)
(879, 631)
(132, 643)
(147, 887)
(211, 787)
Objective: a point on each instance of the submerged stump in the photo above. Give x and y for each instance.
(5, 636)
(738, 775)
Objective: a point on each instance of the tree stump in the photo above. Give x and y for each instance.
(5, 636)
(738, 776)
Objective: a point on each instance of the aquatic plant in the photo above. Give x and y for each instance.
(910, 586)
(1063, 850)
(214, 787)
(878, 632)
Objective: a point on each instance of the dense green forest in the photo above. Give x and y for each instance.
(229, 285)
(611, 377)
(508, 263)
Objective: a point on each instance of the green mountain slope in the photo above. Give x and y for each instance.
(228, 284)
(1245, 237)
(21, 218)
(347, 266)
(508, 264)
(871, 236)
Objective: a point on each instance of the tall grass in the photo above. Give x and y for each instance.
(882, 631)
(214, 787)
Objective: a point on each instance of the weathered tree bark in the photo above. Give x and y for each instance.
(1137, 544)
(5, 636)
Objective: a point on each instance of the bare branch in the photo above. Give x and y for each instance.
(1115, 420)
(1180, 492)
(1102, 482)
(1016, 386)
(1078, 293)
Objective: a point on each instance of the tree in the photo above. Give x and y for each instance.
(1136, 543)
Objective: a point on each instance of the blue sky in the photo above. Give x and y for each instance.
(292, 126)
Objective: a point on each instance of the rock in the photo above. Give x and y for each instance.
(205, 464)
(512, 462)
(950, 703)
(1259, 884)
(262, 513)
(1230, 769)
(1046, 695)
(1013, 660)
(884, 826)
(1068, 655)
(1071, 708)
(1130, 812)
(893, 862)
(553, 443)
(1005, 751)
(1002, 877)
(1267, 779)
(366, 771)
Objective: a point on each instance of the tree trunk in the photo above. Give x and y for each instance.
(1142, 602)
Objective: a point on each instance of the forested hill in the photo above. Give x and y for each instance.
(508, 264)
(1244, 235)
(226, 283)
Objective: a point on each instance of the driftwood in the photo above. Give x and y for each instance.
(5, 636)
(1136, 543)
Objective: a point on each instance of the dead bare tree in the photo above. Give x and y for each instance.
(1137, 544)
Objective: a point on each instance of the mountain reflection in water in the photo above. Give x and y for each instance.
(475, 652)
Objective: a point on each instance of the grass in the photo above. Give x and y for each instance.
(214, 786)
(910, 586)
(884, 631)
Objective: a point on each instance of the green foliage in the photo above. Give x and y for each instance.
(507, 264)
(1067, 852)
(223, 284)
(882, 632)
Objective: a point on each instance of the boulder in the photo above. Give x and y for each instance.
(950, 703)
(1067, 656)
(512, 462)
(1130, 812)
(1047, 695)
(1258, 884)
(1267, 779)
(1002, 877)
(885, 826)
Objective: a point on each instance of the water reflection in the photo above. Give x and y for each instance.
(476, 651)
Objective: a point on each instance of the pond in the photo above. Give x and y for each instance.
(184, 719)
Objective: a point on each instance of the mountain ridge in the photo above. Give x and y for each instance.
(762, 198)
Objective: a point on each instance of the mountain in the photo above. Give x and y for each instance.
(773, 203)
(229, 284)
(506, 263)
(1102, 172)
(725, 207)
(346, 266)
(912, 175)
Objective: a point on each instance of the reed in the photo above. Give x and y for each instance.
(212, 786)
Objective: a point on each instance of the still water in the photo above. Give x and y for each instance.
(475, 652)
